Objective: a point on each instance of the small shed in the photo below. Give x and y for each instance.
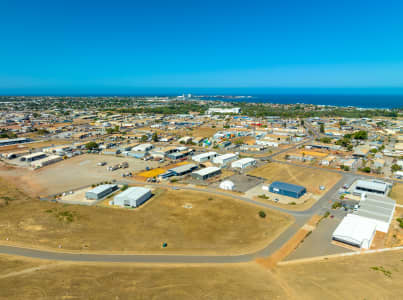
(227, 185)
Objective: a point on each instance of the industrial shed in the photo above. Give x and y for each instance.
(287, 189)
(101, 191)
(182, 170)
(244, 163)
(225, 159)
(132, 197)
(356, 231)
(379, 209)
(203, 157)
(206, 173)
(33, 156)
(45, 161)
(374, 186)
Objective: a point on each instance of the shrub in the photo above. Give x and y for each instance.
(262, 214)
(336, 205)
(292, 203)
(124, 187)
(263, 196)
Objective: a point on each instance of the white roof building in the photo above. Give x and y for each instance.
(204, 157)
(225, 159)
(244, 163)
(227, 185)
(132, 197)
(356, 231)
(143, 147)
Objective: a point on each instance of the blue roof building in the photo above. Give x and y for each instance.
(287, 189)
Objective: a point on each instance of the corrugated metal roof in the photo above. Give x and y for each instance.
(206, 171)
(133, 193)
(373, 185)
(183, 168)
(287, 186)
(101, 188)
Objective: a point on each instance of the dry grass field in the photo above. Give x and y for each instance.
(309, 178)
(371, 276)
(397, 193)
(97, 281)
(214, 225)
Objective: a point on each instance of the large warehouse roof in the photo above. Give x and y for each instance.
(372, 185)
(287, 186)
(133, 193)
(206, 171)
(183, 168)
(355, 230)
(101, 188)
(377, 207)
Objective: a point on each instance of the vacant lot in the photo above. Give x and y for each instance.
(309, 178)
(397, 193)
(371, 276)
(213, 225)
(97, 281)
(75, 172)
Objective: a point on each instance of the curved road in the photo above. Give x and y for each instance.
(301, 217)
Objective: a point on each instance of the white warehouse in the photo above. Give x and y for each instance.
(225, 159)
(45, 161)
(356, 231)
(203, 157)
(244, 163)
(143, 148)
(132, 197)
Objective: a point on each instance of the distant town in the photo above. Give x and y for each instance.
(207, 180)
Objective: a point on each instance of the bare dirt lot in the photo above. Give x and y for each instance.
(309, 178)
(397, 193)
(97, 281)
(75, 172)
(213, 225)
(370, 276)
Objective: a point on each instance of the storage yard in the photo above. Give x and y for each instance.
(80, 171)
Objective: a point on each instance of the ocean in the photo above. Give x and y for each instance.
(362, 101)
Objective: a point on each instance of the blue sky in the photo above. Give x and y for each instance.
(145, 46)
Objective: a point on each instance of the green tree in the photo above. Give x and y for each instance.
(361, 135)
(144, 138)
(155, 137)
(395, 168)
(322, 128)
(91, 146)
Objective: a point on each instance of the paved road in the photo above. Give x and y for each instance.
(300, 219)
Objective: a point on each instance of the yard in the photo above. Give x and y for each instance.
(190, 222)
(312, 179)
